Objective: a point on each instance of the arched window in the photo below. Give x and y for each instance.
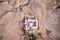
(1, 1)
(58, 7)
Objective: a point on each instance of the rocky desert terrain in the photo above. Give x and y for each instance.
(12, 13)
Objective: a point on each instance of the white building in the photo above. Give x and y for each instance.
(31, 24)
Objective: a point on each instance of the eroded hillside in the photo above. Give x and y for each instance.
(12, 13)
